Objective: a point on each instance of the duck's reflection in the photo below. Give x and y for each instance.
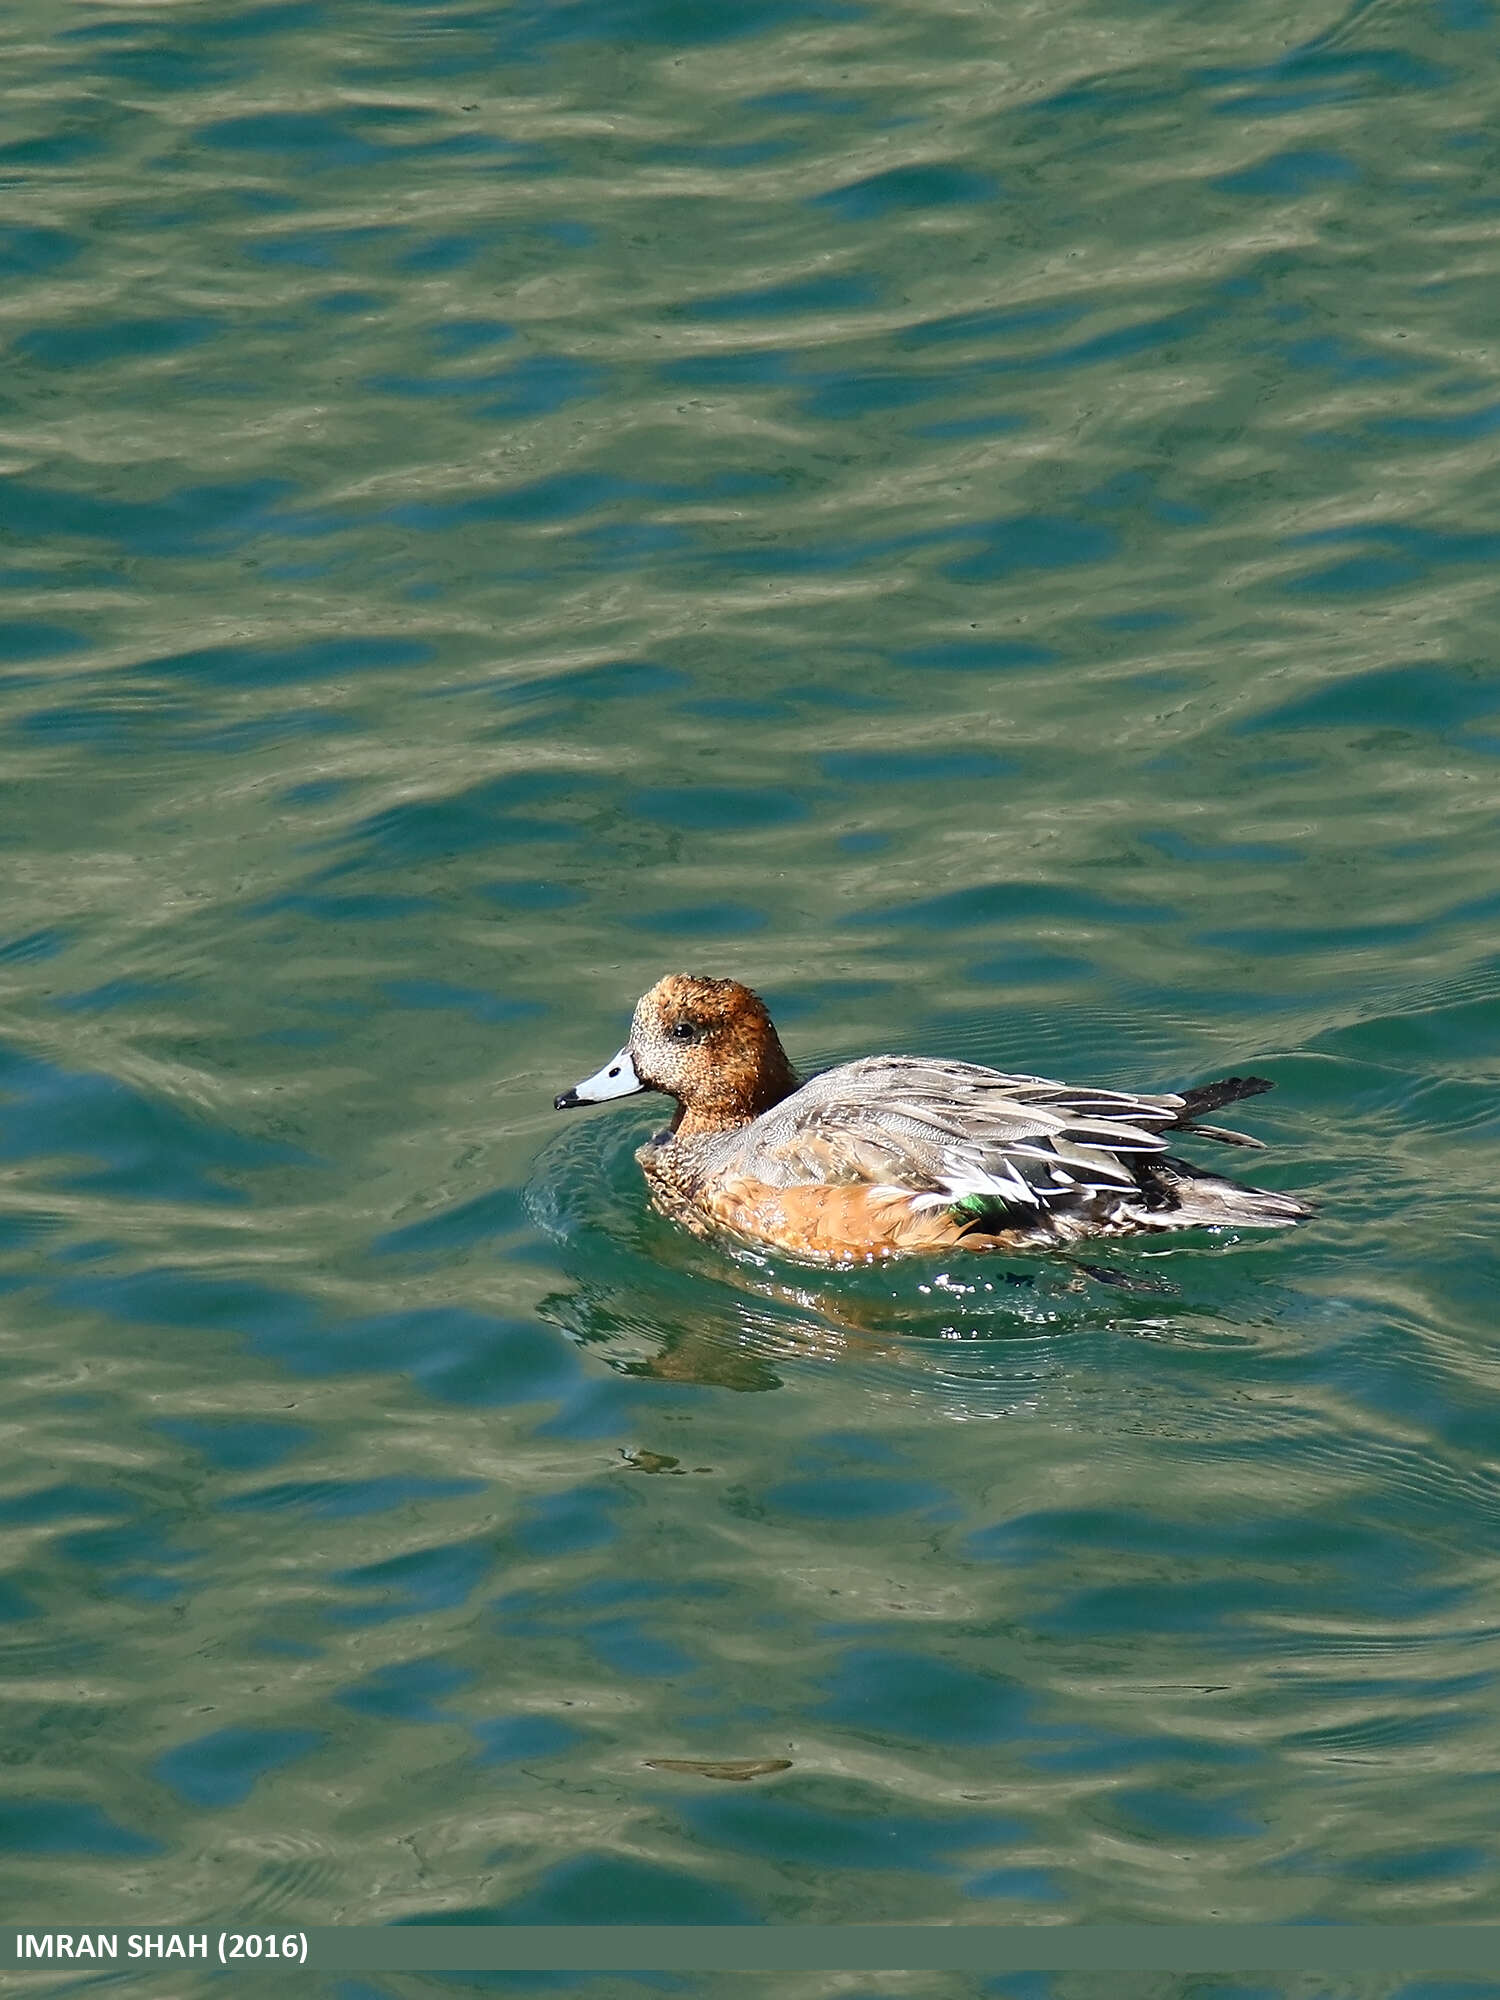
(742, 1326)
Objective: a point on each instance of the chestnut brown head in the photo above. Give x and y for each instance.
(709, 1043)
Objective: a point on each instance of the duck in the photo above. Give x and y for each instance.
(895, 1155)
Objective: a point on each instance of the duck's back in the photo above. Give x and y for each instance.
(915, 1121)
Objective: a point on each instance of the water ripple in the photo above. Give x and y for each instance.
(987, 538)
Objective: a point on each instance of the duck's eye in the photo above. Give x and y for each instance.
(683, 1031)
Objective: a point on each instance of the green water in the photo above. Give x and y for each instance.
(980, 521)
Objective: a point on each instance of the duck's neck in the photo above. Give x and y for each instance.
(737, 1099)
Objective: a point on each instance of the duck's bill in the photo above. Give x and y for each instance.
(616, 1079)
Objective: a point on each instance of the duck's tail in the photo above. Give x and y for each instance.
(1188, 1198)
(1210, 1097)
(1182, 1196)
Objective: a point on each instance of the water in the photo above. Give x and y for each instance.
(979, 521)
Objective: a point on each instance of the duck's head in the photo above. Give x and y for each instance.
(707, 1042)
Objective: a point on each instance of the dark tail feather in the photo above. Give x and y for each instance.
(1228, 1090)
(1209, 1096)
(1223, 1134)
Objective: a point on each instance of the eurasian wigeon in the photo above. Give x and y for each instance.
(898, 1154)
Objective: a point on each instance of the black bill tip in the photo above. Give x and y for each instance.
(566, 1100)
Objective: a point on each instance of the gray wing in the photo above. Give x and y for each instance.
(945, 1130)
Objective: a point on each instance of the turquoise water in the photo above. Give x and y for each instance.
(979, 521)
